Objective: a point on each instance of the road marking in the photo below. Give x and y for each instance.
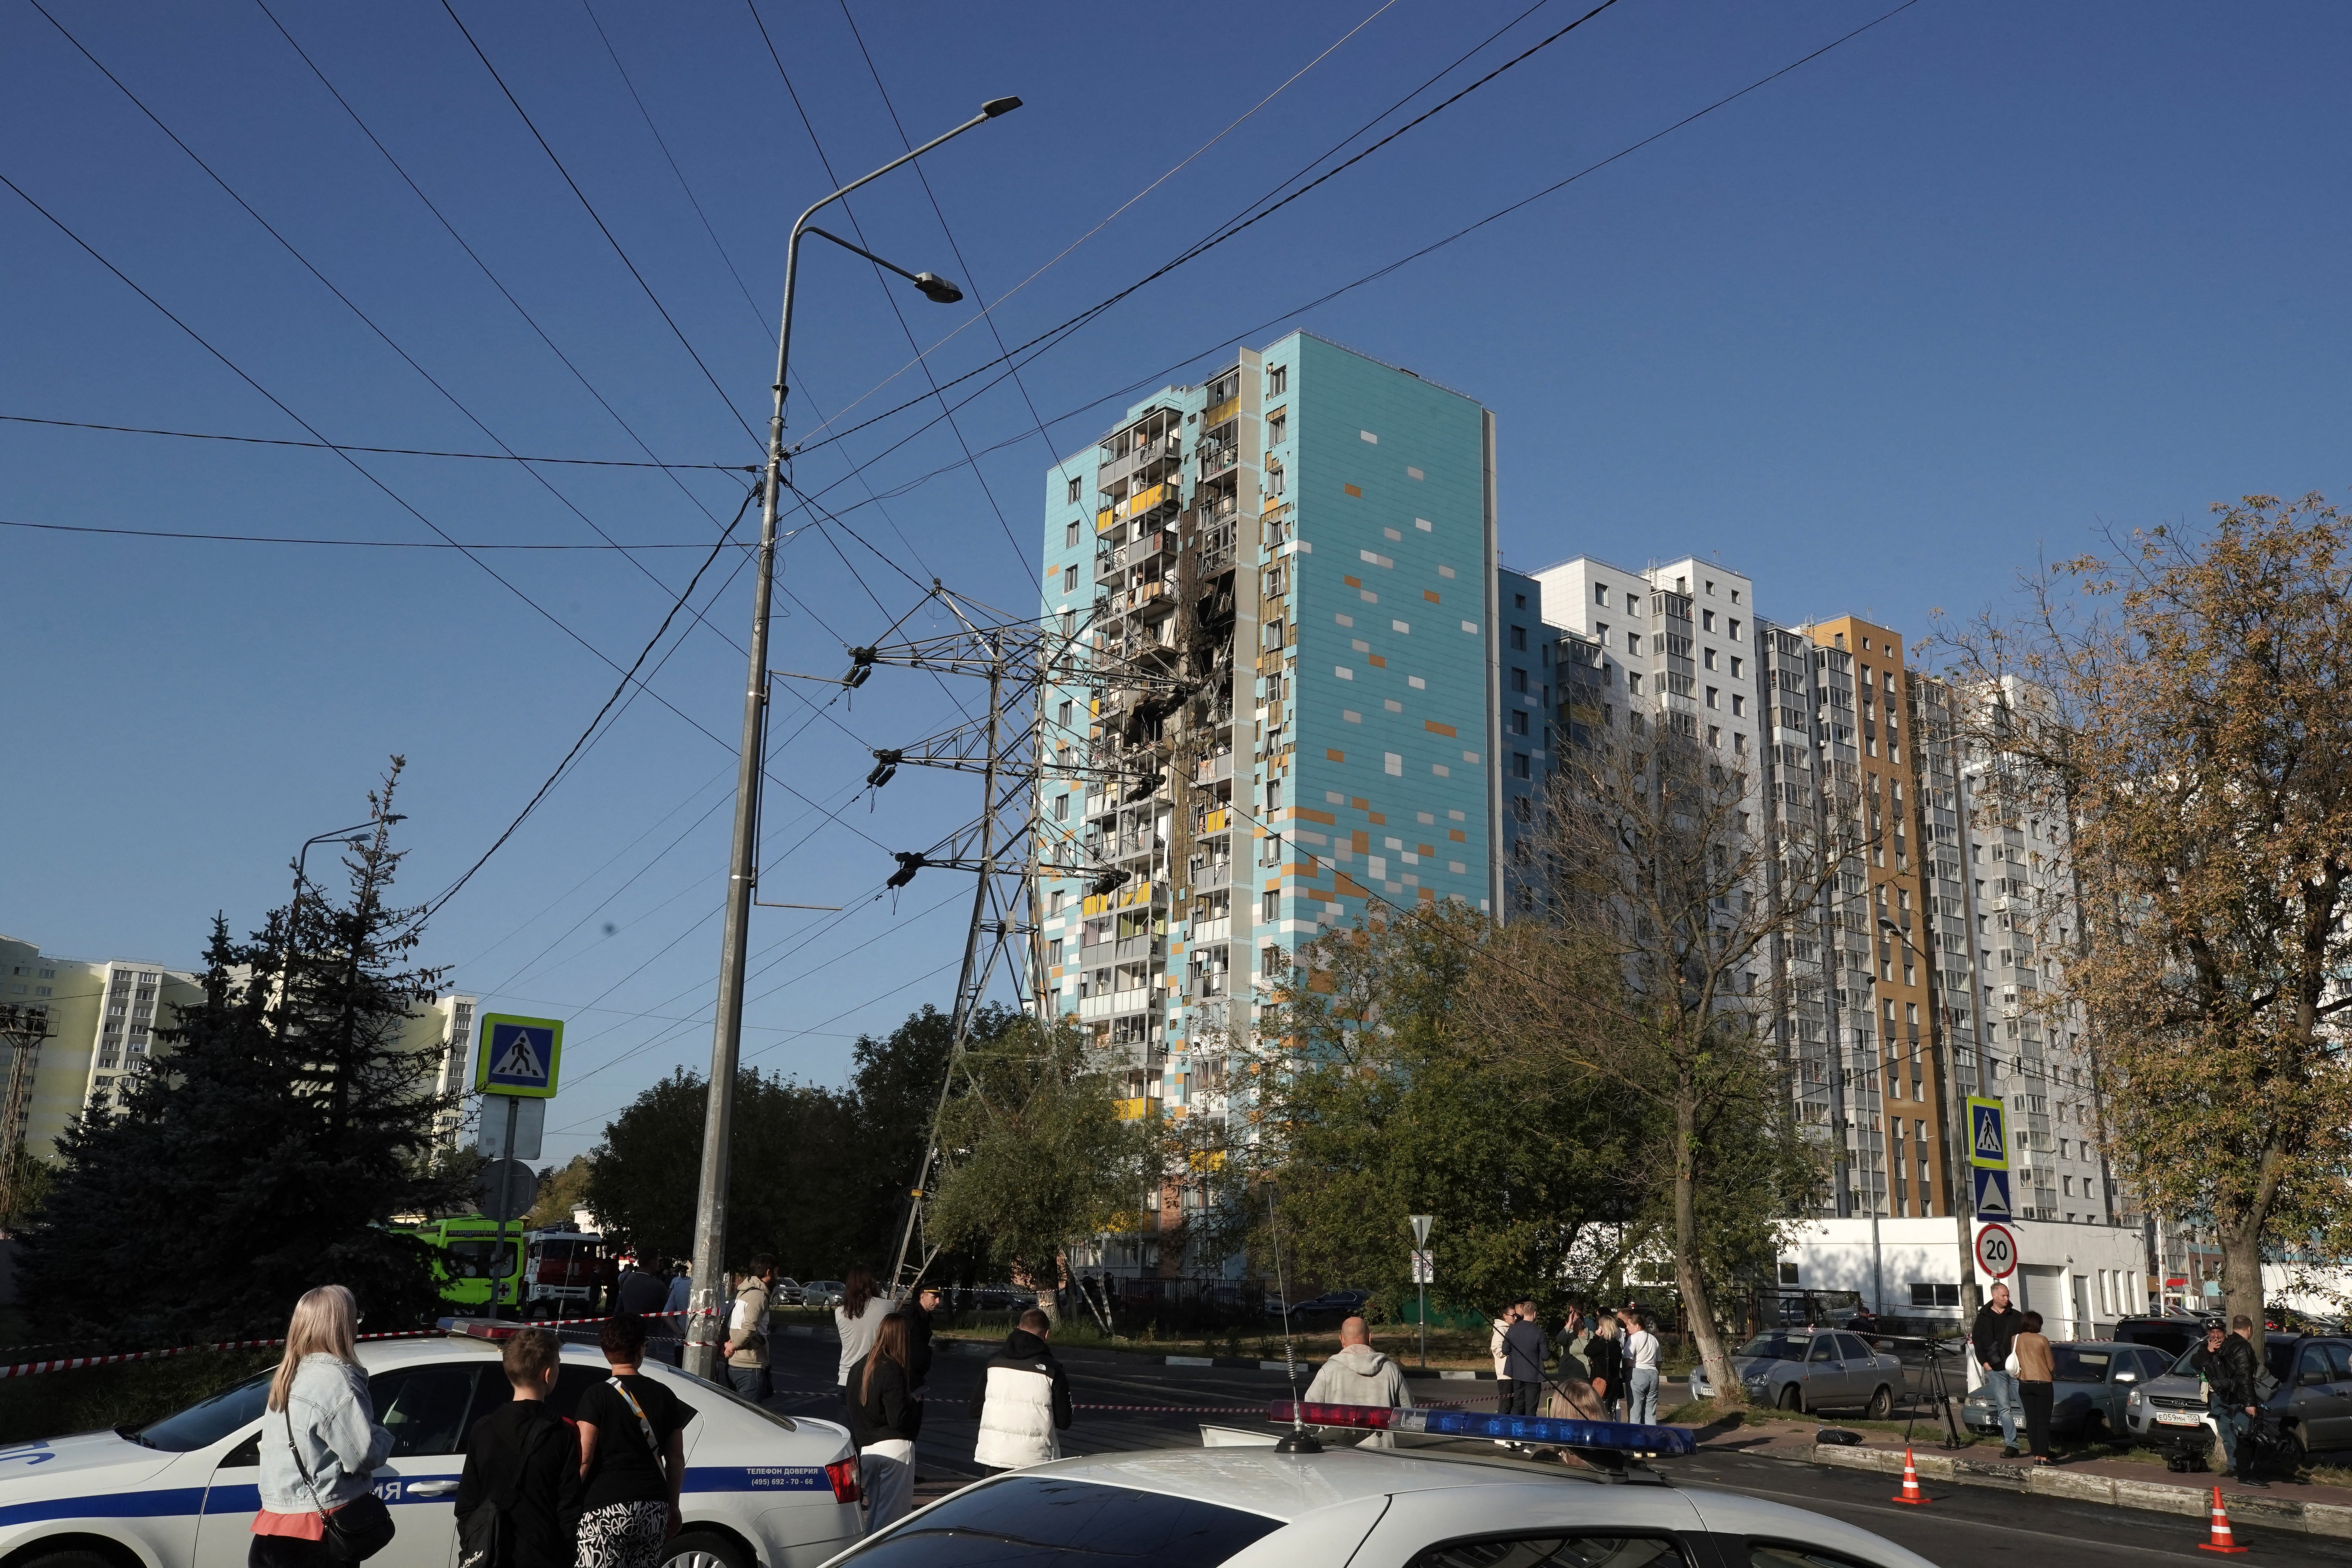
(1824, 1504)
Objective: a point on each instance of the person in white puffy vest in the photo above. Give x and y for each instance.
(1022, 1400)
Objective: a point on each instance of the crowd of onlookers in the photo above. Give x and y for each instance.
(599, 1490)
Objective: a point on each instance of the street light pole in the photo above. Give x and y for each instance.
(703, 1327)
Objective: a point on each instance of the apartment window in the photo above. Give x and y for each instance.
(1634, 642)
(1738, 705)
(1706, 617)
(1520, 601)
(1069, 579)
(1518, 679)
(1063, 716)
(1070, 537)
(1520, 634)
(1053, 951)
(1061, 808)
(1600, 594)
(1633, 605)
(1518, 721)
(1714, 698)
(1074, 500)
(1277, 428)
(1055, 900)
(1270, 907)
(1707, 656)
(1734, 628)
(1736, 663)
(1715, 735)
(1601, 632)
(1519, 765)
(1277, 381)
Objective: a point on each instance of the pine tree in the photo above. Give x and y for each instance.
(272, 1147)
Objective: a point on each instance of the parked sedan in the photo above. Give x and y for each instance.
(822, 1293)
(2313, 1400)
(2094, 1380)
(1812, 1369)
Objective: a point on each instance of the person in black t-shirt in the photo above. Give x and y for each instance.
(521, 1460)
(632, 1456)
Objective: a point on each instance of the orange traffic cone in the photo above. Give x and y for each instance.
(1911, 1493)
(2223, 1540)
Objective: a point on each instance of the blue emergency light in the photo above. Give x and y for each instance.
(1598, 1436)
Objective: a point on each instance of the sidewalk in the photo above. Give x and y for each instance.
(2118, 1483)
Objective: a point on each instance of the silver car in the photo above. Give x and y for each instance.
(2312, 1401)
(1356, 1508)
(1812, 1369)
(2096, 1381)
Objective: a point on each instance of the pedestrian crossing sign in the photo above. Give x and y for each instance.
(1988, 1134)
(517, 1055)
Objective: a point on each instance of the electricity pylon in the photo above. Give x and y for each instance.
(1011, 747)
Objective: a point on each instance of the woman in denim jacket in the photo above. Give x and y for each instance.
(318, 1409)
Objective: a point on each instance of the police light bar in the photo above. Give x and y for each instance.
(1601, 1437)
(478, 1328)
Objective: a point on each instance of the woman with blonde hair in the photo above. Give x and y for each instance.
(320, 1445)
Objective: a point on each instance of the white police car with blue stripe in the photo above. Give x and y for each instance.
(761, 1490)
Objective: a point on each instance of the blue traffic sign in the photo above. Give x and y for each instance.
(1988, 1132)
(1991, 1193)
(518, 1056)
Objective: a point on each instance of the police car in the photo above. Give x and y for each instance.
(761, 1490)
(1349, 1506)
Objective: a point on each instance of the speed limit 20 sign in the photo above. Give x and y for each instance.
(1997, 1251)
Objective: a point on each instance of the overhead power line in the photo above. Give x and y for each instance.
(1320, 299)
(1229, 229)
(350, 544)
(598, 219)
(381, 451)
(627, 676)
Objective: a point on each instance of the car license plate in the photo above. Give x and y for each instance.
(2178, 1418)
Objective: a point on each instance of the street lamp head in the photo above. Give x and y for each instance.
(1885, 924)
(996, 106)
(937, 289)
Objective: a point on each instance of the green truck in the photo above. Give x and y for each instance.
(548, 1273)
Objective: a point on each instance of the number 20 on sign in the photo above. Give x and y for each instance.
(1997, 1251)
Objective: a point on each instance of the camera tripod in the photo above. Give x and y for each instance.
(1939, 1390)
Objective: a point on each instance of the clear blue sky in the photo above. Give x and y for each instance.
(1958, 294)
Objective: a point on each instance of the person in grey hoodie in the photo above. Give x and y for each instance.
(1360, 1374)
(320, 1440)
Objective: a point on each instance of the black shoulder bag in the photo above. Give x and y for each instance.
(481, 1534)
(355, 1531)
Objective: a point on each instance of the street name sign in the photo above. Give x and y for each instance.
(518, 1056)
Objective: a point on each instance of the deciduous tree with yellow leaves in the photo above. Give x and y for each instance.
(2184, 699)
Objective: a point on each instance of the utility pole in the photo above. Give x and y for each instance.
(706, 1306)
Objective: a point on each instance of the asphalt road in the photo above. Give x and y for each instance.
(1964, 1527)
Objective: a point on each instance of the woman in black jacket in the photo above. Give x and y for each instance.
(883, 1417)
(1606, 1356)
(522, 1462)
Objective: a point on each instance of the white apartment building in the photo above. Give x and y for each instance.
(100, 1020)
(1683, 634)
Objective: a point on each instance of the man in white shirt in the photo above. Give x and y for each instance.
(1642, 1354)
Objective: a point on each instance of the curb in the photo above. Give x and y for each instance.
(1103, 1352)
(2193, 1503)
